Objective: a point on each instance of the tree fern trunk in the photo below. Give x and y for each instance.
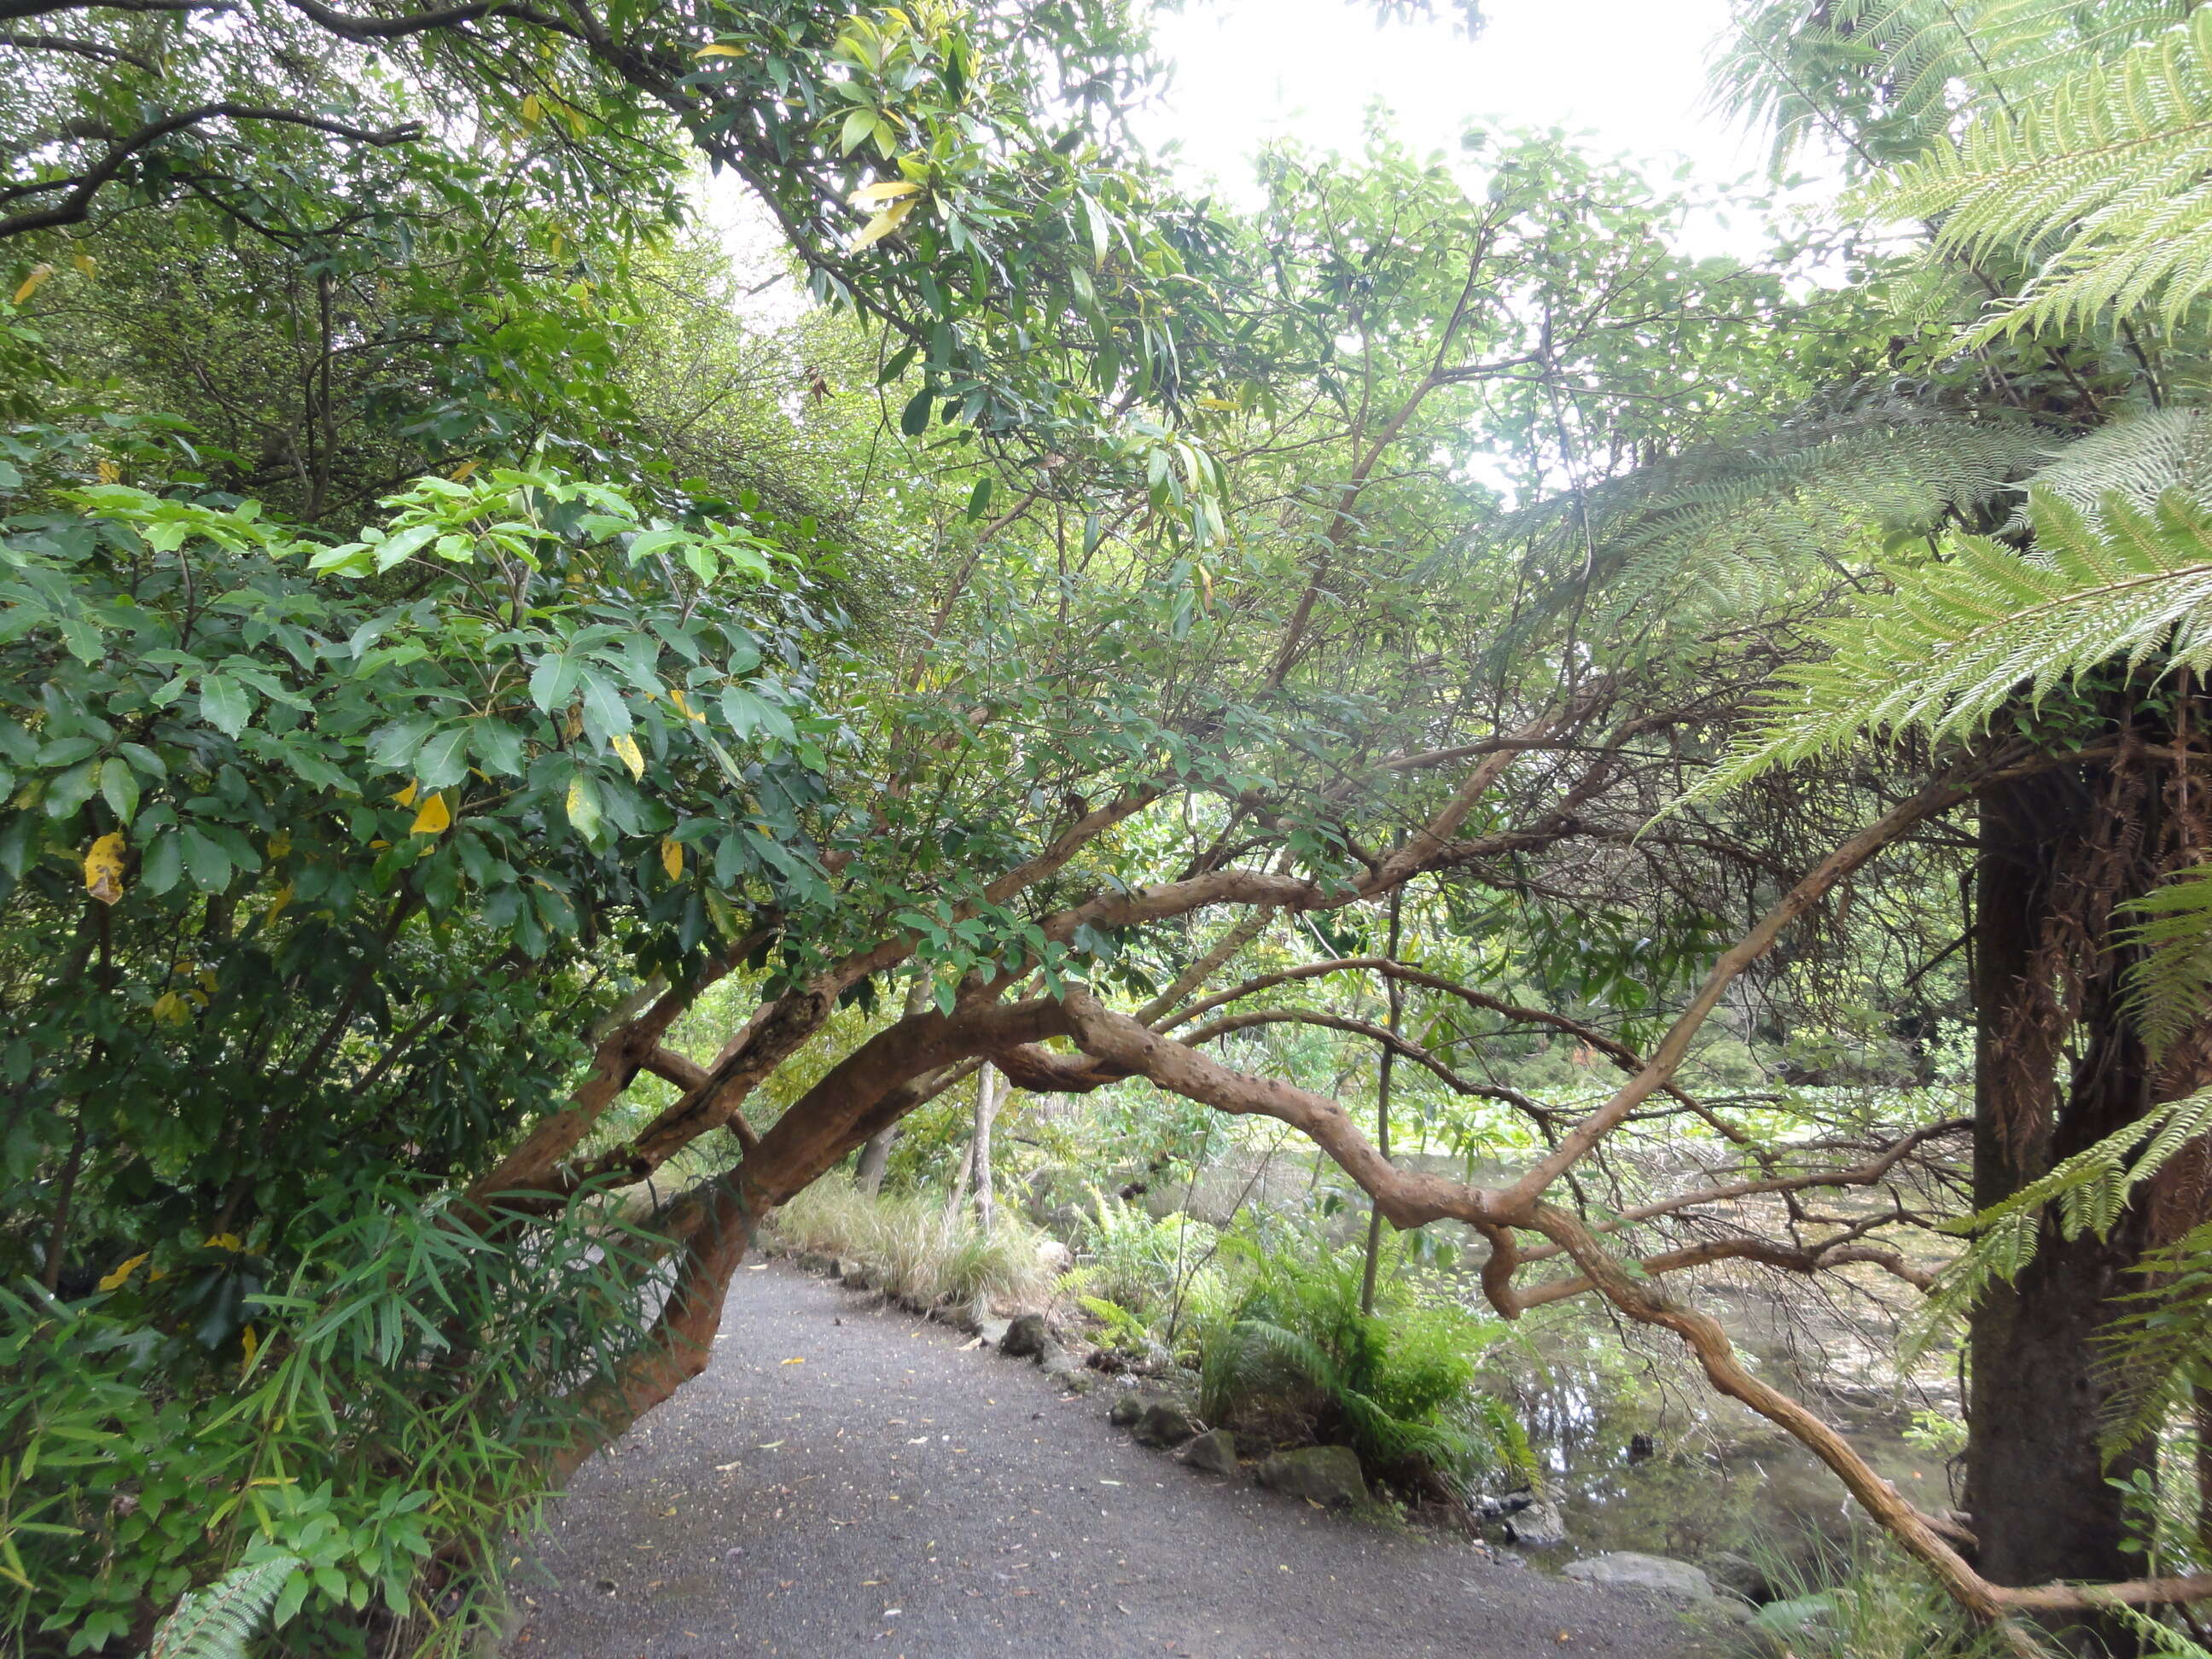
(2054, 856)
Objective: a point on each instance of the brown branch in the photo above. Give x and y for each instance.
(82, 187)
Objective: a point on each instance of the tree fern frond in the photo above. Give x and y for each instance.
(2086, 1193)
(2169, 986)
(2160, 1348)
(2099, 183)
(1892, 74)
(2138, 457)
(217, 1622)
(1721, 530)
(1956, 640)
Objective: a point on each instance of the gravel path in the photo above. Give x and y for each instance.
(850, 1480)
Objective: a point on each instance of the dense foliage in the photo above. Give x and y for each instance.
(1426, 652)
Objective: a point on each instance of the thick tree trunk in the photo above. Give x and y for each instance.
(2055, 855)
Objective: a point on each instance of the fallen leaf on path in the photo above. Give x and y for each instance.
(791, 1362)
(770, 1445)
(723, 1469)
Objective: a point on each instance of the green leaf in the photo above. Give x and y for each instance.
(224, 704)
(442, 760)
(979, 499)
(914, 419)
(163, 863)
(209, 864)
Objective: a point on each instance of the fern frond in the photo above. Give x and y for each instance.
(2082, 1194)
(2168, 986)
(217, 1622)
(2099, 183)
(1892, 74)
(2159, 1351)
(1956, 640)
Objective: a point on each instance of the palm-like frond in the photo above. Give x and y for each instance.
(2085, 1193)
(1891, 74)
(2099, 183)
(217, 1622)
(2171, 984)
(1957, 639)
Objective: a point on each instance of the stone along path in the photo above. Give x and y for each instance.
(848, 1479)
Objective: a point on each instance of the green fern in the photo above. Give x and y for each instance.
(217, 1622)
(2099, 183)
(2084, 1194)
(1891, 74)
(1957, 640)
(2169, 985)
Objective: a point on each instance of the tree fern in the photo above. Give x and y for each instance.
(2099, 183)
(217, 1622)
(1956, 640)
(1887, 77)
(2085, 1193)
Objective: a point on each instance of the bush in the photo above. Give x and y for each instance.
(375, 1412)
(919, 1251)
(1159, 1272)
(1398, 1385)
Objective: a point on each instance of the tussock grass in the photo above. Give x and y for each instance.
(916, 1251)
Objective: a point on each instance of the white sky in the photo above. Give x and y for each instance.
(1631, 74)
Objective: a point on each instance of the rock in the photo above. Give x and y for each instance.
(1738, 1575)
(813, 1261)
(1214, 1451)
(1163, 1423)
(993, 1331)
(1024, 1338)
(1537, 1525)
(1496, 1506)
(1053, 1256)
(1625, 1570)
(1328, 1475)
(1128, 1406)
(853, 1276)
(1064, 1367)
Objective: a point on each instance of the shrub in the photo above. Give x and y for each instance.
(376, 1410)
(1398, 1385)
(919, 1250)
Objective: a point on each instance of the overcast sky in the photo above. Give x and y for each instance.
(1630, 73)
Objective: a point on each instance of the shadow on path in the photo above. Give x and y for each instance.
(848, 1479)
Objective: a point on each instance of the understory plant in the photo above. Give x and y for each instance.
(1295, 1350)
(919, 1250)
(366, 1399)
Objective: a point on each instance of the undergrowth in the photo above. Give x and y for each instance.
(916, 1249)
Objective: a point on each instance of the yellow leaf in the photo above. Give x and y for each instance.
(889, 190)
(719, 49)
(121, 1276)
(533, 112)
(460, 474)
(1215, 403)
(377, 846)
(671, 859)
(252, 1346)
(405, 797)
(276, 904)
(626, 746)
(171, 1009)
(109, 472)
(280, 843)
(103, 868)
(434, 816)
(221, 1242)
(575, 801)
(683, 708)
(85, 263)
(883, 224)
(29, 285)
